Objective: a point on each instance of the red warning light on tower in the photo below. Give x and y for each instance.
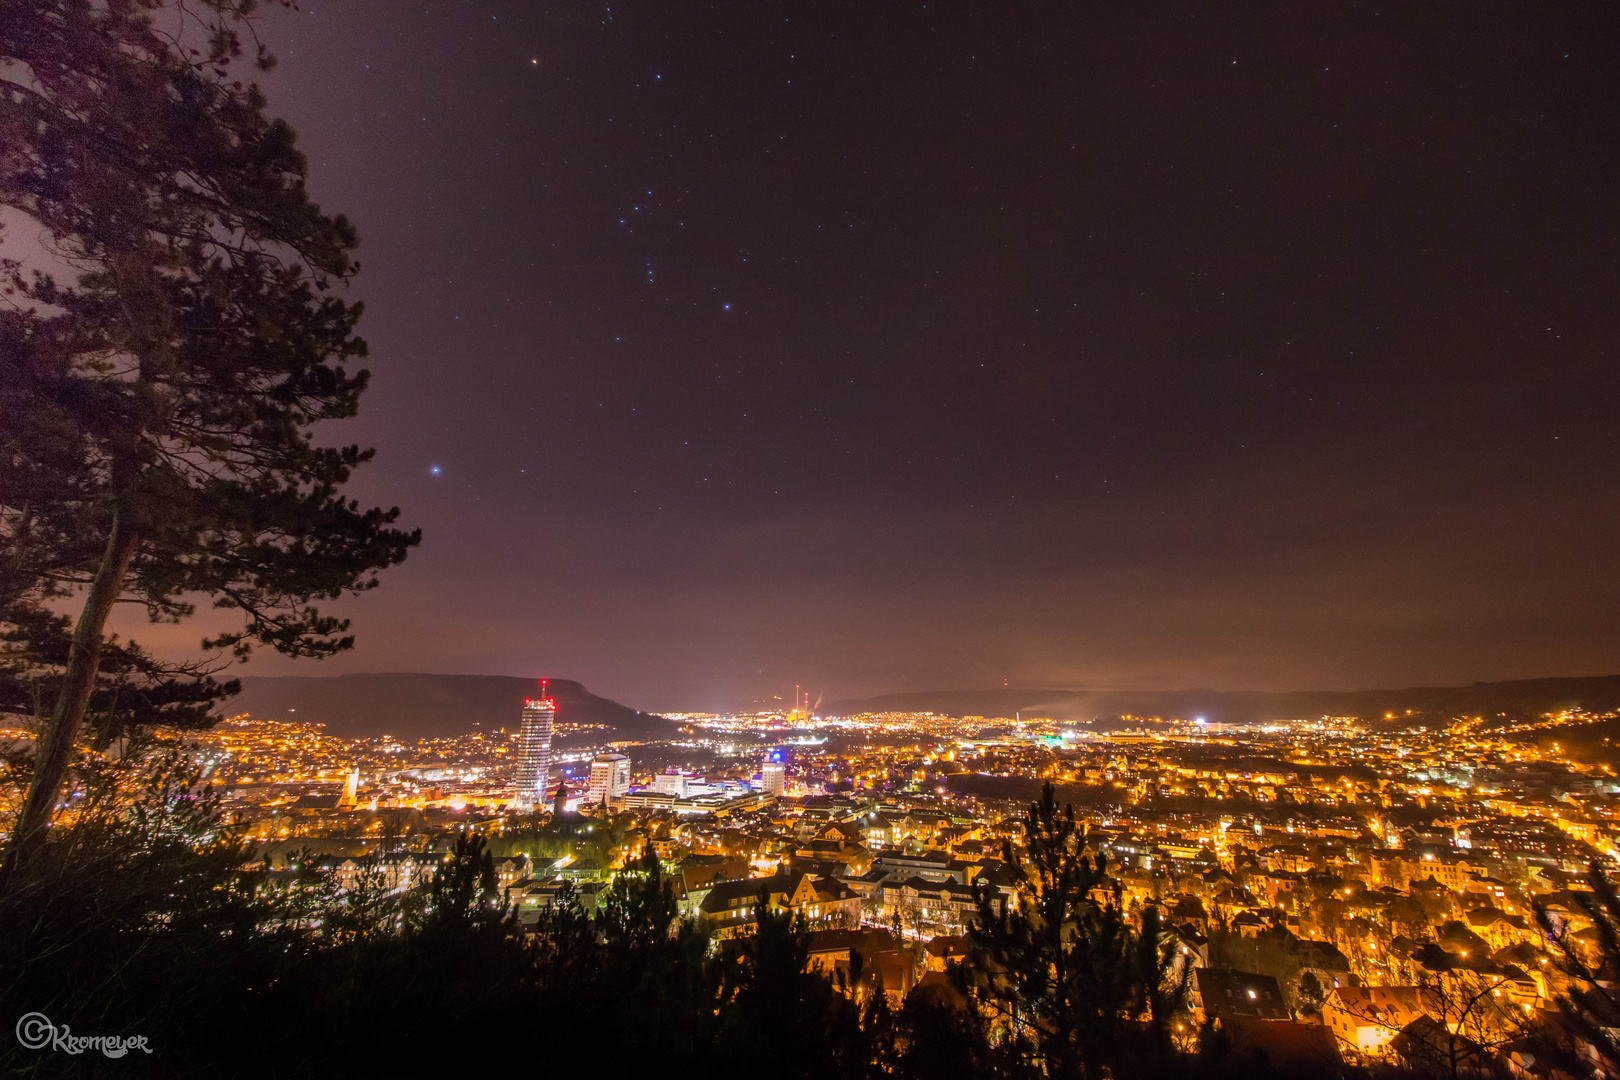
(544, 698)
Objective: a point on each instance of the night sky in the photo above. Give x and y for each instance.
(881, 346)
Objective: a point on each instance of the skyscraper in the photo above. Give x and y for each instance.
(534, 751)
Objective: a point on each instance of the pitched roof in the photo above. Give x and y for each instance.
(1225, 992)
(949, 889)
(734, 896)
(838, 941)
(1387, 1006)
(829, 890)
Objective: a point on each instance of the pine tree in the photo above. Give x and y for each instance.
(462, 896)
(1311, 994)
(1583, 1036)
(1073, 990)
(788, 1013)
(157, 391)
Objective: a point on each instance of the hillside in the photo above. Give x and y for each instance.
(1524, 697)
(424, 706)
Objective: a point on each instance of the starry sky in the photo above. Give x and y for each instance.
(893, 346)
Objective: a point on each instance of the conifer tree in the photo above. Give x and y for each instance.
(158, 385)
(1073, 990)
(1582, 1039)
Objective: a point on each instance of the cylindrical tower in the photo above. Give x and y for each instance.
(534, 751)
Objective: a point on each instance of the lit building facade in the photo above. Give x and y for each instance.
(671, 781)
(773, 778)
(534, 751)
(773, 771)
(610, 779)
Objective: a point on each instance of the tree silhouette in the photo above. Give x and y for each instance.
(1072, 990)
(1588, 1013)
(1311, 993)
(156, 392)
(462, 893)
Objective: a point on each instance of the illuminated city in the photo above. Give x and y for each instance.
(834, 541)
(1378, 803)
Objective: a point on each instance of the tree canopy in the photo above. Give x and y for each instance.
(166, 350)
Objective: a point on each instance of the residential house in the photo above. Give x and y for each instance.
(1366, 1018)
(1224, 993)
(729, 908)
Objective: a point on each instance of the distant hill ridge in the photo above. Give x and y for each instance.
(414, 706)
(1522, 697)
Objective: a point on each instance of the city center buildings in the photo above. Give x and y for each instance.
(610, 780)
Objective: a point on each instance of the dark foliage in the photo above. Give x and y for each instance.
(1070, 987)
(158, 383)
(1584, 1035)
(138, 918)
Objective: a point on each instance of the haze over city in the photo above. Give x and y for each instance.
(891, 348)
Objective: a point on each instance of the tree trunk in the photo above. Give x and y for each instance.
(55, 744)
